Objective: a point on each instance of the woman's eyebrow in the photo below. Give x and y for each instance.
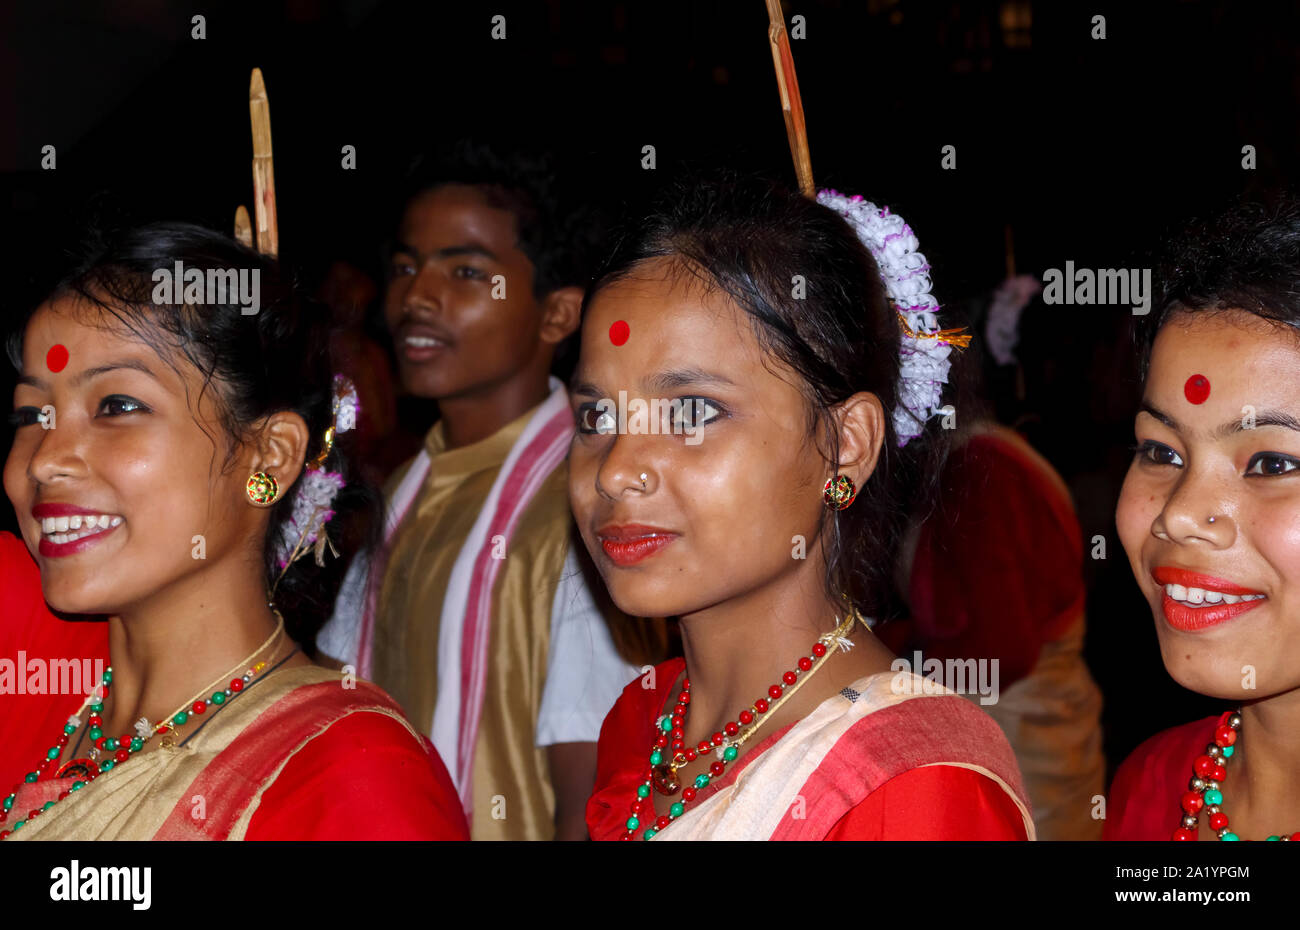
(78, 380)
(663, 381)
(680, 377)
(1262, 418)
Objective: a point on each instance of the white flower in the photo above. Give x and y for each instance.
(924, 364)
(346, 404)
(143, 728)
(311, 509)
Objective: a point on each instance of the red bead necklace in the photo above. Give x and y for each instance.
(1205, 791)
(84, 771)
(725, 744)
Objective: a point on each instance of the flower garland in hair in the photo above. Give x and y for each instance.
(304, 530)
(924, 347)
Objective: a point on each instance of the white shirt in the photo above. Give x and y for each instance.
(584, 674)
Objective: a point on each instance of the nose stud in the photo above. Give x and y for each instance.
(643, 477)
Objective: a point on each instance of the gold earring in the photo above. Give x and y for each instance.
(839, 492)
(262, 488)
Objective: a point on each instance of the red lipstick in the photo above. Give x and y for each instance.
(1191, 619)
(629, 543)
(1168, 574)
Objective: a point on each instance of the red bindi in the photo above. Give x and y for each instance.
(618, 333)
(1197, 389)
(57, 358)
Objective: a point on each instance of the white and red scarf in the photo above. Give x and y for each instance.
(465, 628)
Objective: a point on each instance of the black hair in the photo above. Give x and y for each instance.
(276, 359)
(1245, 258)
(560, 230)
(749, 238)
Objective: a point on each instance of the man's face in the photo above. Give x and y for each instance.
(460, 302)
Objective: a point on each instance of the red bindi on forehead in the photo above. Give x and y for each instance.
(1197, 389)
(57, 358)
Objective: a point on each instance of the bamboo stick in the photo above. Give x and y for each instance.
(243, 227)
(791, 103)
(268, 234)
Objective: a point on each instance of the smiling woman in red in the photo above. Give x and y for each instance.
(171, 463)
(1210, 519)
(725, 492)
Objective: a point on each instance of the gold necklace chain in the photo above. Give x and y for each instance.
(829, 640)
(279, 628)
(275, 634)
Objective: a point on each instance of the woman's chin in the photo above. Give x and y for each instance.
(636, 601)
(75, 604)
(1207, 672)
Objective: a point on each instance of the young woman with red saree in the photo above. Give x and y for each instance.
(754, 326)
(1209, 516)
(170, 465)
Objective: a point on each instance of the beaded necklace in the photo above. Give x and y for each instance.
(127, 745)
(1205, 790)
(725, 744)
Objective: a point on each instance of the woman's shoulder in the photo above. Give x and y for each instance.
(893, 741)
(917, 722)
(1187, 739)
(1143, 800)
(362, 772)
(935, 802)
(312, 699)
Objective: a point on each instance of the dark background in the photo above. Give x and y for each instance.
(1087, 150)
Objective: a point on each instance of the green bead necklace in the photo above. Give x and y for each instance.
(124, 747)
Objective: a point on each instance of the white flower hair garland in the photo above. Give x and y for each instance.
(304, 530)
(924, 347)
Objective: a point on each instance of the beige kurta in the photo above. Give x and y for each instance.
(512, 794)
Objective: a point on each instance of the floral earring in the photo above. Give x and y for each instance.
(839, 492)
(262, 488)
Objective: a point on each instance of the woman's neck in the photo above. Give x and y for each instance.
(736, 650)
(1263, 771)
(183, 638)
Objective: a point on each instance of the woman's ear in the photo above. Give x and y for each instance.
(280, 447)
(861, 421)
(561, 313)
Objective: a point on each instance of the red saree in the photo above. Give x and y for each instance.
(28, 631)
(933, 767)
(1144, 797)
(297, 757)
